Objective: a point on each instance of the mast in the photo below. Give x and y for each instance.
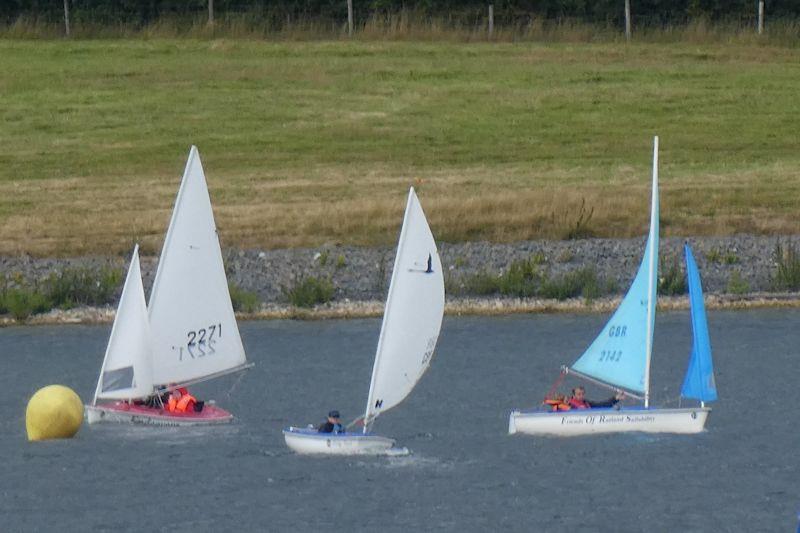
(652, 272)
(387, 309)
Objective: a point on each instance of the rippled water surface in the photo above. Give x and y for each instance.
(464, 473)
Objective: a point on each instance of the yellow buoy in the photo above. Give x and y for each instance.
(54, 412)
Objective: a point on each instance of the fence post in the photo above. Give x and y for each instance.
(66, 17)
(627, 20)
(760, 17)
(350, 18)
(491, 20)
(210, 12)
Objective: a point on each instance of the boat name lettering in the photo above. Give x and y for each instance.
(640, 418)
(571, 420)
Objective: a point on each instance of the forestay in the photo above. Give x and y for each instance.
(620, 355)
(194, 329)
(699, 381)
(413, 315)
(126, 371)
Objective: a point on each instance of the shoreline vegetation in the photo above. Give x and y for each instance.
(453, 307)
(585, 275)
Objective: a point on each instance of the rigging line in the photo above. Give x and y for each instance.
(234, 386)
(601, 383)
(355, 422)
(556, 384)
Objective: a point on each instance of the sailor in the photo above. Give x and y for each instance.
(333, 425)
(180, 401)
(578, 400)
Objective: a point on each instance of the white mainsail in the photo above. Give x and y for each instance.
(126, 372)
(194, 330)
(412, 318)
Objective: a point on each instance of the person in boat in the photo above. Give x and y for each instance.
(578, 400)
(332, 425)
(155, 401)
(180, 401)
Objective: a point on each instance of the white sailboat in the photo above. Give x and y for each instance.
(412, 320)
(620, 358)
(187, 334)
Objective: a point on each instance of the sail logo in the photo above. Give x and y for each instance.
(428, 266)
(378, 404)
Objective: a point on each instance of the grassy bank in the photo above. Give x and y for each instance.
(314, 142)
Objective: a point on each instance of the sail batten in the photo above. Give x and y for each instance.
(620, 355)
(194, 329)
(699, 380)
(412, 317)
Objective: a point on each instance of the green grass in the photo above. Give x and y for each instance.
(317, 142)
(243, 300)
(309, 291)
(525, 279)
(787, 268)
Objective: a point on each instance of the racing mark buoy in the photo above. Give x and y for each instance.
(54, 412)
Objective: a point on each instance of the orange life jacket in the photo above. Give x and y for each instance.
(183, 404)
(186, 403)
(557, 404)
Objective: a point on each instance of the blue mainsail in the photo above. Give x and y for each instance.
(620, 355)
(699, 381)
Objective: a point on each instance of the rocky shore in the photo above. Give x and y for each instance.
(737, 271)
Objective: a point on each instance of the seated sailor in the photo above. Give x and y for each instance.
(333, 424)
(180, 401)
(578, 400)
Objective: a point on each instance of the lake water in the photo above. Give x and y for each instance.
(464, 473)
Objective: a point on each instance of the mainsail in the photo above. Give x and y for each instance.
(413, 315)
(699, 381)
(194, 330)
(620, 355)
(126, 370)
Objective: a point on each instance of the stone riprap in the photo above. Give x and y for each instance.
(361, 274)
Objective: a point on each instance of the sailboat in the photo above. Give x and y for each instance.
(619, 358)
(412, 320)
(187, 334)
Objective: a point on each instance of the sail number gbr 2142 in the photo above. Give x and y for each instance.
(200, 342)
(612, 356)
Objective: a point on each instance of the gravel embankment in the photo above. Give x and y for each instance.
(360, 275)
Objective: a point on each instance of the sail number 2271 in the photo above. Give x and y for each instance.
(200, 343)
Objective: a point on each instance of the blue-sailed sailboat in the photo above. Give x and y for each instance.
(699, 381)
(620, 358)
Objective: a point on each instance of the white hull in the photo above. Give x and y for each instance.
(96, 414)
(304, 441)
(594, 421)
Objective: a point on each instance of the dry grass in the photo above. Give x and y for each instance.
(311, 143)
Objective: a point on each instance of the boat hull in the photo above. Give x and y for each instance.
(310, 441)
(125, 413)
(596, 421)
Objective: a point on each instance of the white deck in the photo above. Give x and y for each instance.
(309, 441)
(594, 421)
